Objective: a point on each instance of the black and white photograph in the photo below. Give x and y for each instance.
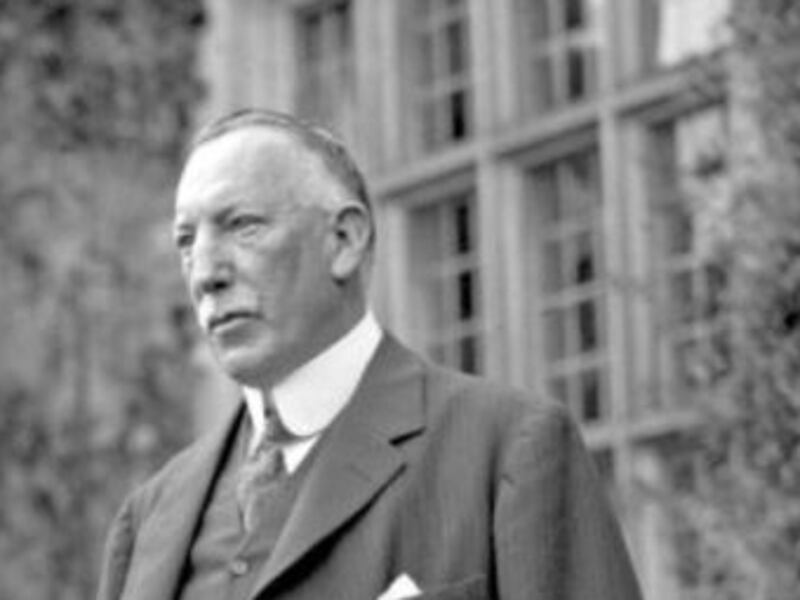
(397, 299)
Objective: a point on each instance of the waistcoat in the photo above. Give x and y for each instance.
(225, 561)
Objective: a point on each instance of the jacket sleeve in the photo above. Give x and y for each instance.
(556, 537)
(117, 554)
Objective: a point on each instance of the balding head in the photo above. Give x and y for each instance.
(318, 141)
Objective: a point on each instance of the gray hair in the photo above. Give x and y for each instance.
(318, 140)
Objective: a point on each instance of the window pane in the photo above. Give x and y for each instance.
(546, 194)
(581, 74)
(579, 178)
(426, 238)
(584, 268)
(587, 326)
(428, 124)
(567, 241)
(574, 14)
(469, 356)
(442, 73)
(555, 338)
(559, 52)
(438, 301)
(676, 30)
(446, 281)
(458, 111)
(456, 48)
(576, 85)
(466, 296)
(325, 64)
(426, 62)
(463, 229)
(341, 24)
(311, 37)
(687, 215)
(542, 89)
(551, 267)
(591, 408)
(536, 15)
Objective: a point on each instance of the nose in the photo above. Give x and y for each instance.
(211, 268)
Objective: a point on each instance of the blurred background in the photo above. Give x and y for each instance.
(596, 199)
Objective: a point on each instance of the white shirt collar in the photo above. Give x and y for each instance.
(309, 398)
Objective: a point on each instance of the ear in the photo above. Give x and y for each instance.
(352, 231)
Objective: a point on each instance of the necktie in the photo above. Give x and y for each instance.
(262, 473)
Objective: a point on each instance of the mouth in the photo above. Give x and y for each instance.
(229, 318)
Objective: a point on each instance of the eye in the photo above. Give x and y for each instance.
(183, 239)
(245, 224)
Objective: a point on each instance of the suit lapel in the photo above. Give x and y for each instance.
(356, 458)
(168, 532)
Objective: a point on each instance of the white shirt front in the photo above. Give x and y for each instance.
(309, 399)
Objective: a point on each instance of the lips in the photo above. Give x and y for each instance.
(229, 317)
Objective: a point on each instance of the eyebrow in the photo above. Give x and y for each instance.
(218, 216)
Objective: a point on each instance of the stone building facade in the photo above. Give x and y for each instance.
(546, 175)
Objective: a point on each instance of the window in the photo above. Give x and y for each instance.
(691, 198)
(442, 101)
(325, 69)
(558, 42)
(565, 225)
(676, 30)
(446, 282)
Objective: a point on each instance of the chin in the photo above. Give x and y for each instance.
(247, 368)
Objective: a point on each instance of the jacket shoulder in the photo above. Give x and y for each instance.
(490, 400)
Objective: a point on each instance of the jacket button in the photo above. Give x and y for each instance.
(238, 567)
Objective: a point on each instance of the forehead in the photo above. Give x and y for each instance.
(244, 163)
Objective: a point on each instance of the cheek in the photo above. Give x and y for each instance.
(287, 266)
(274, 272)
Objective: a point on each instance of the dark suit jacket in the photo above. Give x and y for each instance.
(472, 489)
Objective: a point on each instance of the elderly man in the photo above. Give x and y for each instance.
(352, 469)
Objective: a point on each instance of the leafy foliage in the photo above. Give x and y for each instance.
(94, 372)
(742, 502)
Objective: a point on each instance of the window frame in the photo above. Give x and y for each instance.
(573, 363)
(440, 98)
(701, 326)
(325, 85)
(552, 55)
(440, 326)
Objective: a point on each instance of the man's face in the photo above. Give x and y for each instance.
(256, 252)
